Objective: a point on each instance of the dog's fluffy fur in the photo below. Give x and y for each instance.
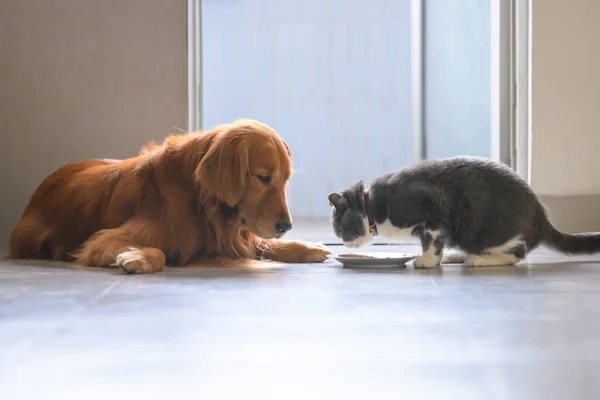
(207, 195)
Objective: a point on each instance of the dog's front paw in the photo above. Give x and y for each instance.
(295, 251)
(292, 251)
(315, 253)
(140, 261)
(425, 262)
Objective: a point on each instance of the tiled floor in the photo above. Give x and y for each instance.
(302, 332)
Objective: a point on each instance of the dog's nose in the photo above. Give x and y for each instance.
(282, 227)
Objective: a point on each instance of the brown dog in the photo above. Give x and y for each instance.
(218, 194)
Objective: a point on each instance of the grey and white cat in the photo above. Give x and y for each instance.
(480, 207)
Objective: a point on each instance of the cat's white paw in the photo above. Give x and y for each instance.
(425, 262)
(475, 261)
(490, 260)
(454, 258)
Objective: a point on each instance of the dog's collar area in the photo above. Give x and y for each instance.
(372, 226)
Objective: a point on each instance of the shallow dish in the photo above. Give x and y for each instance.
(361, 259)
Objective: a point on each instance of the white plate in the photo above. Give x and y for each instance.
(379, 260)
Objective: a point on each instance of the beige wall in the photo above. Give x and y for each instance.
(84, 79)
(566, 97)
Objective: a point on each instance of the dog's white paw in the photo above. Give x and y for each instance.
(140, 261)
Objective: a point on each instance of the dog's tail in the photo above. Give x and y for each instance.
(28, 240)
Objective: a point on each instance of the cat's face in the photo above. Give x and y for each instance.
(349, 216)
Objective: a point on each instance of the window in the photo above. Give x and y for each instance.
(356, 87)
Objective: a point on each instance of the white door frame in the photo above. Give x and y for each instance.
(417, 59)
(501, 87)
(522, 92)
(511, 84)
(194, 64)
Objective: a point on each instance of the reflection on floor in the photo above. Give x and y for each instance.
(302, 331)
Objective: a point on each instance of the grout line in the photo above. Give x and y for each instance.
(432, 278)
(108, 289)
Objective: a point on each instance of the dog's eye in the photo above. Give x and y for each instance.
(264, 179)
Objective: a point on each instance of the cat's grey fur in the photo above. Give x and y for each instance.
(473, 204)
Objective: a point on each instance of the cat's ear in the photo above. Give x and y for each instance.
(335, 200)
(358, 187)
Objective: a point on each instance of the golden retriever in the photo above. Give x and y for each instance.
(199, 196)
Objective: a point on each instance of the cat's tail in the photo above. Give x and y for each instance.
(577, 243)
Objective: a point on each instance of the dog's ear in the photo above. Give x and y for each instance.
(224, 168)
(287, 148)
